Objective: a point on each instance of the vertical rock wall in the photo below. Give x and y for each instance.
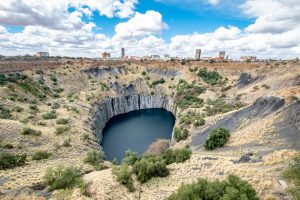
(111, 107)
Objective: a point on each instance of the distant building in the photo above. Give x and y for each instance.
(222, 55)
(42, 54)
(122, 52)
(166, 56)
(248, 58)
(155, 57)
(198, 54)
(105, 55)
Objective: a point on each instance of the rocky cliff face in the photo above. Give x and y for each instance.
(111, 107)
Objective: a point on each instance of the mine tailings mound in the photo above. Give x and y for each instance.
(261, 108)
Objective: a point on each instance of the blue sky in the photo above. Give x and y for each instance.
(265, 28)
(181, 18)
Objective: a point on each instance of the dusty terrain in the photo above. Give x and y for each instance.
(271, 135)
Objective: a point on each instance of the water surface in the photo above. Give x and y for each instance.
(136, 130)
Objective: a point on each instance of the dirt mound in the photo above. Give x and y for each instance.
(262, 107)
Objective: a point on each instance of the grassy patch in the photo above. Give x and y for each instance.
(61, 129)
(30, 131)
(41, 155)
(219, 106)
(62, 121)
(50, 115)
(217, 138)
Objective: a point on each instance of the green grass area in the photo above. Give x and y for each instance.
(123, 174)
(50, 115)
(234, 188)
(217, 138)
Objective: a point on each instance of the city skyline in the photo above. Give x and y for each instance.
(262, 28)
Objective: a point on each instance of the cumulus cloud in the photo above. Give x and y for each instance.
(55, 13)
(141, 24)
(273, 16)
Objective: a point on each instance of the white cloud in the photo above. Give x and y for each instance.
(273, 16)
(55, 14)
(140, 25)
(213, 2)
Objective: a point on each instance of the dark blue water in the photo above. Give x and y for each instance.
(136, 130)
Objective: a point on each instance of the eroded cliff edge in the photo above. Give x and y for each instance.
(111, 107)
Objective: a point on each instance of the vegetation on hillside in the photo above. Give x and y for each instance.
(219, 106)
(217, 138)
(9, 160)
(180, 134)
(210, 77)
(292, 174)
(234, 188)
(195, 118)
(187, 95)
(95, 158)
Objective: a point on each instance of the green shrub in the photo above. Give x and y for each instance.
(130, 158)
(210, 77)
(9, 161)
(178, 155)
(61, 129)
(50, 115)
(62, 121)
(144, 73)
(160, 81)
(41, 155)
(33, 107)
(180, 134)
(62, 178)
(233, 188)
(95, 158)
(123, 175)
(30, 131)
(292, 174)
(217, 138)
(150, 166)
(5, 113)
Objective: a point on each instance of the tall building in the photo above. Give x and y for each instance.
(42, 54)
(105, 55)
(198, 54)
(222, 54)
(122, 52)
